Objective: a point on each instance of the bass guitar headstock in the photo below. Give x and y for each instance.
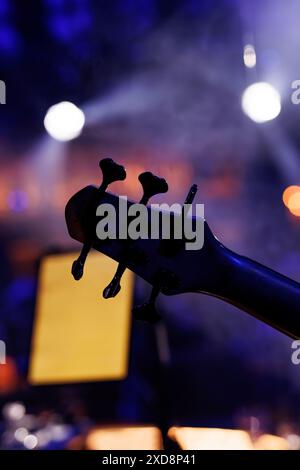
(173, 260)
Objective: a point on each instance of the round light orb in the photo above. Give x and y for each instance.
(291, 199)
(30, 442)
(64, 121)
(261, 102)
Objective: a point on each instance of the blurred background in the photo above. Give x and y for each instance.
(197, 92)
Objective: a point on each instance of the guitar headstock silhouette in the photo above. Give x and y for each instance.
(173, 269)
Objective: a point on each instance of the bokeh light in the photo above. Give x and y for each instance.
(64, 121)
(261, 102)
(249, 56)
(291, 199)
(30, 442)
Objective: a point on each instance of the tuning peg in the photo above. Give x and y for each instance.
(163, 279)
(147, 312)
(114, 286)
(191, 194)
(151, 185)
(111, 172)
(78, 264)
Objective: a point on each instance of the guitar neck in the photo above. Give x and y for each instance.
(250, 286)
(261, 292)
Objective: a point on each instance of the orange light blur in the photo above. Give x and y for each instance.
(291, 199)
(124, 438)
(270, 442)
(288, 192)
(210, 438)
(224, 439)
(9, 379)
(294, 204)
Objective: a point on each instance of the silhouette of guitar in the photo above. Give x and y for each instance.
(172, 269)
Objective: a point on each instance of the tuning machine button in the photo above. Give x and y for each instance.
(111, 172)
(151, 185)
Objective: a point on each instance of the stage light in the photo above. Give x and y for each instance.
(30, 442)
(261, 102)
(249, 56)
(64, 121)
(291, 199)
(288, 192)
(294, 204)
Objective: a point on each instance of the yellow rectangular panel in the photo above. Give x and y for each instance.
(79, 336)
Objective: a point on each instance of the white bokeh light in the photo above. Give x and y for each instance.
(20, 434)
(64, 121)
(249, 56)
(261, 102)
(30, 442)
(14, 411)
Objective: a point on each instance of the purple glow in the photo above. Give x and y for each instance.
(17, 201)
